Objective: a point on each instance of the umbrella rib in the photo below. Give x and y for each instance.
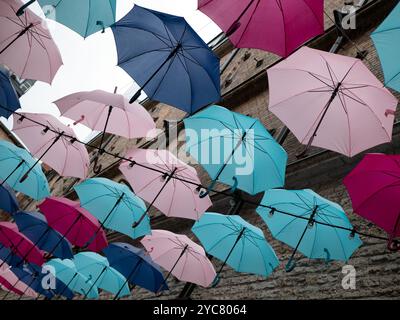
(147, 185)
(158, 36)
(248, 22)
(279, 4)
(190, 79)
(165, 74)
(307, 204)
(88, 18)
(290, 222)
(259, 249)
(226, 125)
(129, 59)
(344, 106)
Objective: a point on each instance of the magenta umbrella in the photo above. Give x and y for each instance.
(277, 26)
(165, 182)
(331, 101)
(374, 189)
(26, 45)
(10, 282)
(53, 142)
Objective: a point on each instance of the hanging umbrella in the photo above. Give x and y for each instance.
(7, 280)
(114, 205)
(166, 57)
(9, 258)
(374, 187)
(236, 150)
(34, 226)
(98, 270)
(26, 45)
(55, 144)
(237, 243)
(8, 201)
(274, 26)
(331, 101)
(14, 163)
(308, 231)
(74, 223)
(387, 42)
(164, 181)
(179, 255)
(9, 101)
(136, 266)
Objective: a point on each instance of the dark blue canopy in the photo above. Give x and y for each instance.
(8, 257)
(8, 201)
(8, 97)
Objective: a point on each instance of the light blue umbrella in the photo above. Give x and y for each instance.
(14, 163)
(97, 269)
(308, 226)
(387, 42)
(114, 205)
(236, 242)
(236, 150)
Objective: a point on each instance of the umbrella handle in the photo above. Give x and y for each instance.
(96, 166)
(394, 245)
(290, 265)
(216, 281)
(21, 10)
(203, 194)
(100, 23)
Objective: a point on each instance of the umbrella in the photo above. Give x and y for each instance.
(14, 163)
(374, 189)
(8, 257)
(316, 227)
(98, 270)
(8, 201)
(236, 150)
(275, 26)
(34, 226)
(74, 223)
(85, 17)
(179, 255)
(9, 101)
(65, 270)
(331, 101)
(136, 266)
(387, 42)
(10, 282)
(26, 45)
(166, 182)
(55, 144)
(115, 206)
(166, 57)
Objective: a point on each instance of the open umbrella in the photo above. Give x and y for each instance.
(331, 101)
(311, 230)
(166, 57)
(9, 101)
(166, 182)
(55, 144)
(10, 282)
(26, 45)
(14, 163)
(236, 150)
(387, 42)
(8, 201)
(9, 258)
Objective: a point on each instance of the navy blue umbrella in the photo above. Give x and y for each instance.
(8, 201)
(8, 257)
(135, 265)
(168, 59)
(8, 97)
(34, 226)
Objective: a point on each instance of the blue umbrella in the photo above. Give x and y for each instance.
(8, 257)
(308, 226)
(136, 266)
(166, 57)
(34, 226)
(8, 201)
(9, 101)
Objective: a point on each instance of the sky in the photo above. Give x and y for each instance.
(91, 64)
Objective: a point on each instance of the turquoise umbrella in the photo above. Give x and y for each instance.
(387, 42)
(114, 205)
(308, 224)
(237, 243)
(14, 163)
(97, 269)
(236, 150)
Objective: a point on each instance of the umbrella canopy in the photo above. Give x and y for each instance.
(26, 45)
(9, 258)
(34, 226)
(136, 266)
(274, 26)
(9, 101)
(237, 243)
(166, 57)
(165, 182)
(8, 201)
(387, 42)
(331, 101)
(98, 270)
(235, 149)
(10, 282)
(114, 205)
(307, 231)
(53, 144)
(14, 163)
(179, 255)
(74, 222)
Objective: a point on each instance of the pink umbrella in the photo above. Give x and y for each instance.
(166, 182)
(179, 255)
(74, 222)
(10, 282)
(26, 45)
(278, 26)
(374, 189)
(55, 144)
(331, 101)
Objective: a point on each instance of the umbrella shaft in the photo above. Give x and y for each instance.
(127, 280)
(240, 235)
(230, 157)
(16, 38)
(12, 172)
(35, 244)
(28, 287)
(65, 234)
(105, 128)
(69, 283)
(94, 282)
(21, 10)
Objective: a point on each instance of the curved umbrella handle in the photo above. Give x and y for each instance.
(100, 23)
(394, 245)
(290, 265)
(96, 166)
(204, 194)
(21, 10)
